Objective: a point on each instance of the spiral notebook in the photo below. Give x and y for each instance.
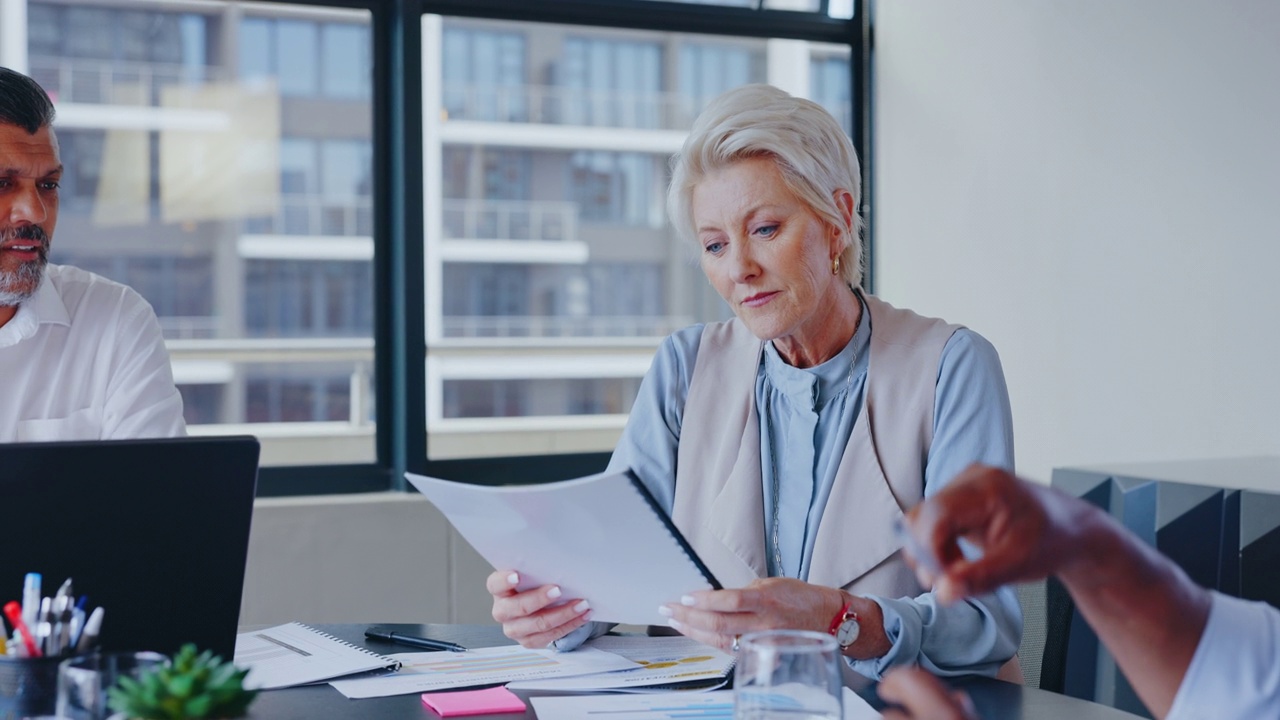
(297, 654)
(601, 538)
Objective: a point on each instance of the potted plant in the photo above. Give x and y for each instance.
(194, 686)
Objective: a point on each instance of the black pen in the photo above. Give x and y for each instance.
(395, 637)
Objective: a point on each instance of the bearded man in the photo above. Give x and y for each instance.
(82, 357)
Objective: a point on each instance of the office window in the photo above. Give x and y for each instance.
(102, 54)
(829, 84)
(708, 69)
(307, 58)
(484, 78)
(614, 187)
(612, 82)
(235, 194)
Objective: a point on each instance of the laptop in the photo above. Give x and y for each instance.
(154, 531)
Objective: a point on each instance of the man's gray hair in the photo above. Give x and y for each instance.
(23, 102)
(812, 151)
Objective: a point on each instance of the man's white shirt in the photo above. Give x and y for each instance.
(1235, 672)
(84, 359)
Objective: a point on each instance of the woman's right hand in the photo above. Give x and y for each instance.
(530, 617)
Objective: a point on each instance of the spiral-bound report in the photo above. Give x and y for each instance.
(297, 654)
(601, 538)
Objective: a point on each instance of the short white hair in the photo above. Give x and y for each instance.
(812, 151)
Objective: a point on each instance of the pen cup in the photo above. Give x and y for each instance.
(28, 686)
(83, 681)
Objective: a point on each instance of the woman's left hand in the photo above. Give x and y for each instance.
(718, 617)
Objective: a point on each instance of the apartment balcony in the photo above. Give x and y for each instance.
(115, 82)
(614, 326)
(510, 231)
(312, 215)
(554, 105)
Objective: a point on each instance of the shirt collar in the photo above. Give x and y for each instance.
(45, 307)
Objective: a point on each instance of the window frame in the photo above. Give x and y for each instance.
(400, 342)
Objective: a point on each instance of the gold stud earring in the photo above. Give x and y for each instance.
(835, 265)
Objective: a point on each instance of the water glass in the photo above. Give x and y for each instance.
(83, 681)
(787, 674)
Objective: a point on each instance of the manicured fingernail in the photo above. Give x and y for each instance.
(554, 592)
(582, 606)
(674, 623)
(665, 611)
(513, 579)
(688, 601)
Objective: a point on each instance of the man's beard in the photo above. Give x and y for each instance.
(17, 286)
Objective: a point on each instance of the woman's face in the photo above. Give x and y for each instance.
(766, 252)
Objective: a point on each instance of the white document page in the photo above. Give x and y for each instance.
(294, 654)
(702, 706)
(424, 672)
(597, 537)
(716, 705)
(659, 661)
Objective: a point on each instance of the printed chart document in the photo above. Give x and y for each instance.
(600, 538)
(424, 672)
(716, 705)
(659, 661)
(295, 654)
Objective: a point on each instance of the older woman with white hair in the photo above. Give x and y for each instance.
(787, 442)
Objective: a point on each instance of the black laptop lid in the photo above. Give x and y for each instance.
(154, 531)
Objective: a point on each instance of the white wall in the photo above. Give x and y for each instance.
(1094, 185)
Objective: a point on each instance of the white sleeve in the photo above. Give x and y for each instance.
(1234, 672)
(142, 400)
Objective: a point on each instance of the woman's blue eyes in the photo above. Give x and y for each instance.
(714, 247)
(767, 230)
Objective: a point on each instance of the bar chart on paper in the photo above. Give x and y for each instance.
(428, 671)
(666, 706)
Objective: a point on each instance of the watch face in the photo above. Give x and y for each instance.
(847, 633)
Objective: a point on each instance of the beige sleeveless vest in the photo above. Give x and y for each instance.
(719, 502)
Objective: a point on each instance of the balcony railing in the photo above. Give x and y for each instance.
(510, 220)
(114, 82)
(552, 105)
(458, 326)
(316, 215)
(189, 328)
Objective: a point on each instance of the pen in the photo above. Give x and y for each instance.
(92, 627)
(13, 611)
(31, 598)
(395, 637)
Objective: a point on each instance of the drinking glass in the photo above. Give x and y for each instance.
(83, 681)
(787, 675)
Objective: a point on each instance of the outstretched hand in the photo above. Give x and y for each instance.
(534, 618)
(1021, 527)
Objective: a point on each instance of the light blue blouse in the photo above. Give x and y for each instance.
(810, 412)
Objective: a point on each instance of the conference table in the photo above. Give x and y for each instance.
(994, 699)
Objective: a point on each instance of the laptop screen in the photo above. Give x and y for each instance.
(154, 531)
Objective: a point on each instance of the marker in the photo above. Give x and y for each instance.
(13, 611)
(31, 598)
(92, 627)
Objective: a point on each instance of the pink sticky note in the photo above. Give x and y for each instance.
(473, 702)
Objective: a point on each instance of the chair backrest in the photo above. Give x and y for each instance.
(156, 532)
(1031, 596)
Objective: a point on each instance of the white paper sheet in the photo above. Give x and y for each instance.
(661, 661)
(424, 672)
(716, 705)
(596, 537)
